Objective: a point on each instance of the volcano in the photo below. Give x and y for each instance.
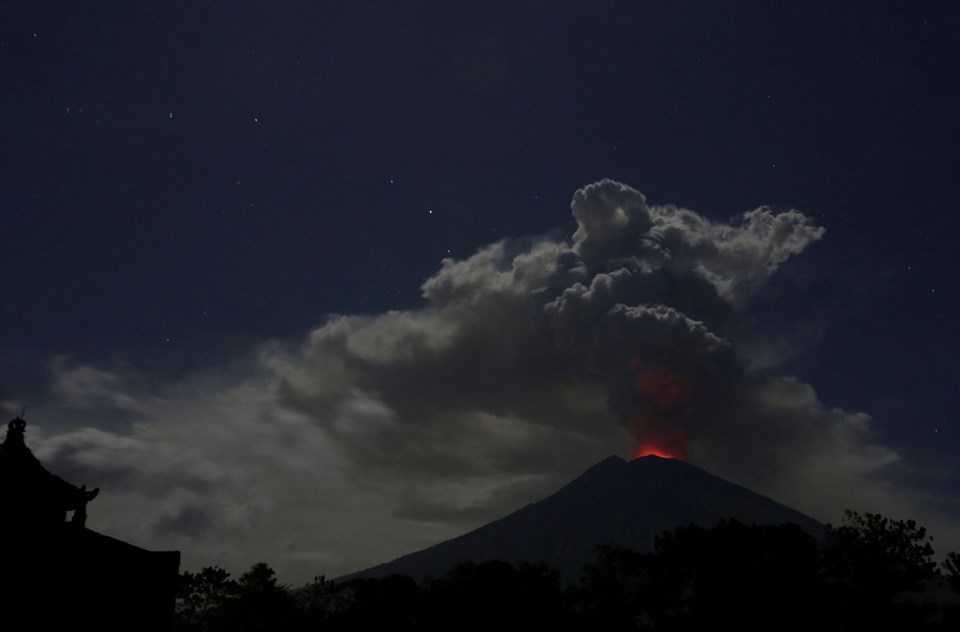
(616, 502)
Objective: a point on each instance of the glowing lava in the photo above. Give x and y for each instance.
(653, 450)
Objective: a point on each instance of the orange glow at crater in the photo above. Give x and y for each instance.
(666, 444)
(650, 449)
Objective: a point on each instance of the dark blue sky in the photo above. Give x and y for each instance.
(181, 179)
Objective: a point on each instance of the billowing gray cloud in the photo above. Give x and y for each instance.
(519, 332)
(527, 362)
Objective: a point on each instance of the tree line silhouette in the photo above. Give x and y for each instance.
(869, 573)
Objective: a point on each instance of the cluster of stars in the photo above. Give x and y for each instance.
(170, 116)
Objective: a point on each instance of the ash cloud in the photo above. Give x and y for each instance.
(527, 362)
(526, 355)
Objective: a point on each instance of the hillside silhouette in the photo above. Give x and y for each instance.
(615, 502)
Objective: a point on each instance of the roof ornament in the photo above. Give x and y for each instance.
(15, 432)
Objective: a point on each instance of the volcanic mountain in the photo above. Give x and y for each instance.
(618, 502)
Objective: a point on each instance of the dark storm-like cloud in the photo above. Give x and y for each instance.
(502, 498)
(192, 520)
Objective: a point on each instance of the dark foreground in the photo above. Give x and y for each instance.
(871, 573)
(67, 577)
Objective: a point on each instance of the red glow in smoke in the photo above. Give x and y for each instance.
(657, 428)
(664, 388)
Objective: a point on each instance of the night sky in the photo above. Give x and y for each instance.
(190, 193)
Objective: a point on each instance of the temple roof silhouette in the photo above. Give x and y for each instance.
(56, 573)
(33, 496)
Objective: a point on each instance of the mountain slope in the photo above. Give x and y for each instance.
(614, 502)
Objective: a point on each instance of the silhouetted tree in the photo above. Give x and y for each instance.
(951, 567)
(261, 604)
(617, 589)
(371, 603)
(746, 577)
(869, 562)
(878, 554)
(201, 598)
(319, 601)
(730, 576)
(491, 594)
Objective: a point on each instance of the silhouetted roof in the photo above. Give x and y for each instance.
(62, 575)
(27, 488)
